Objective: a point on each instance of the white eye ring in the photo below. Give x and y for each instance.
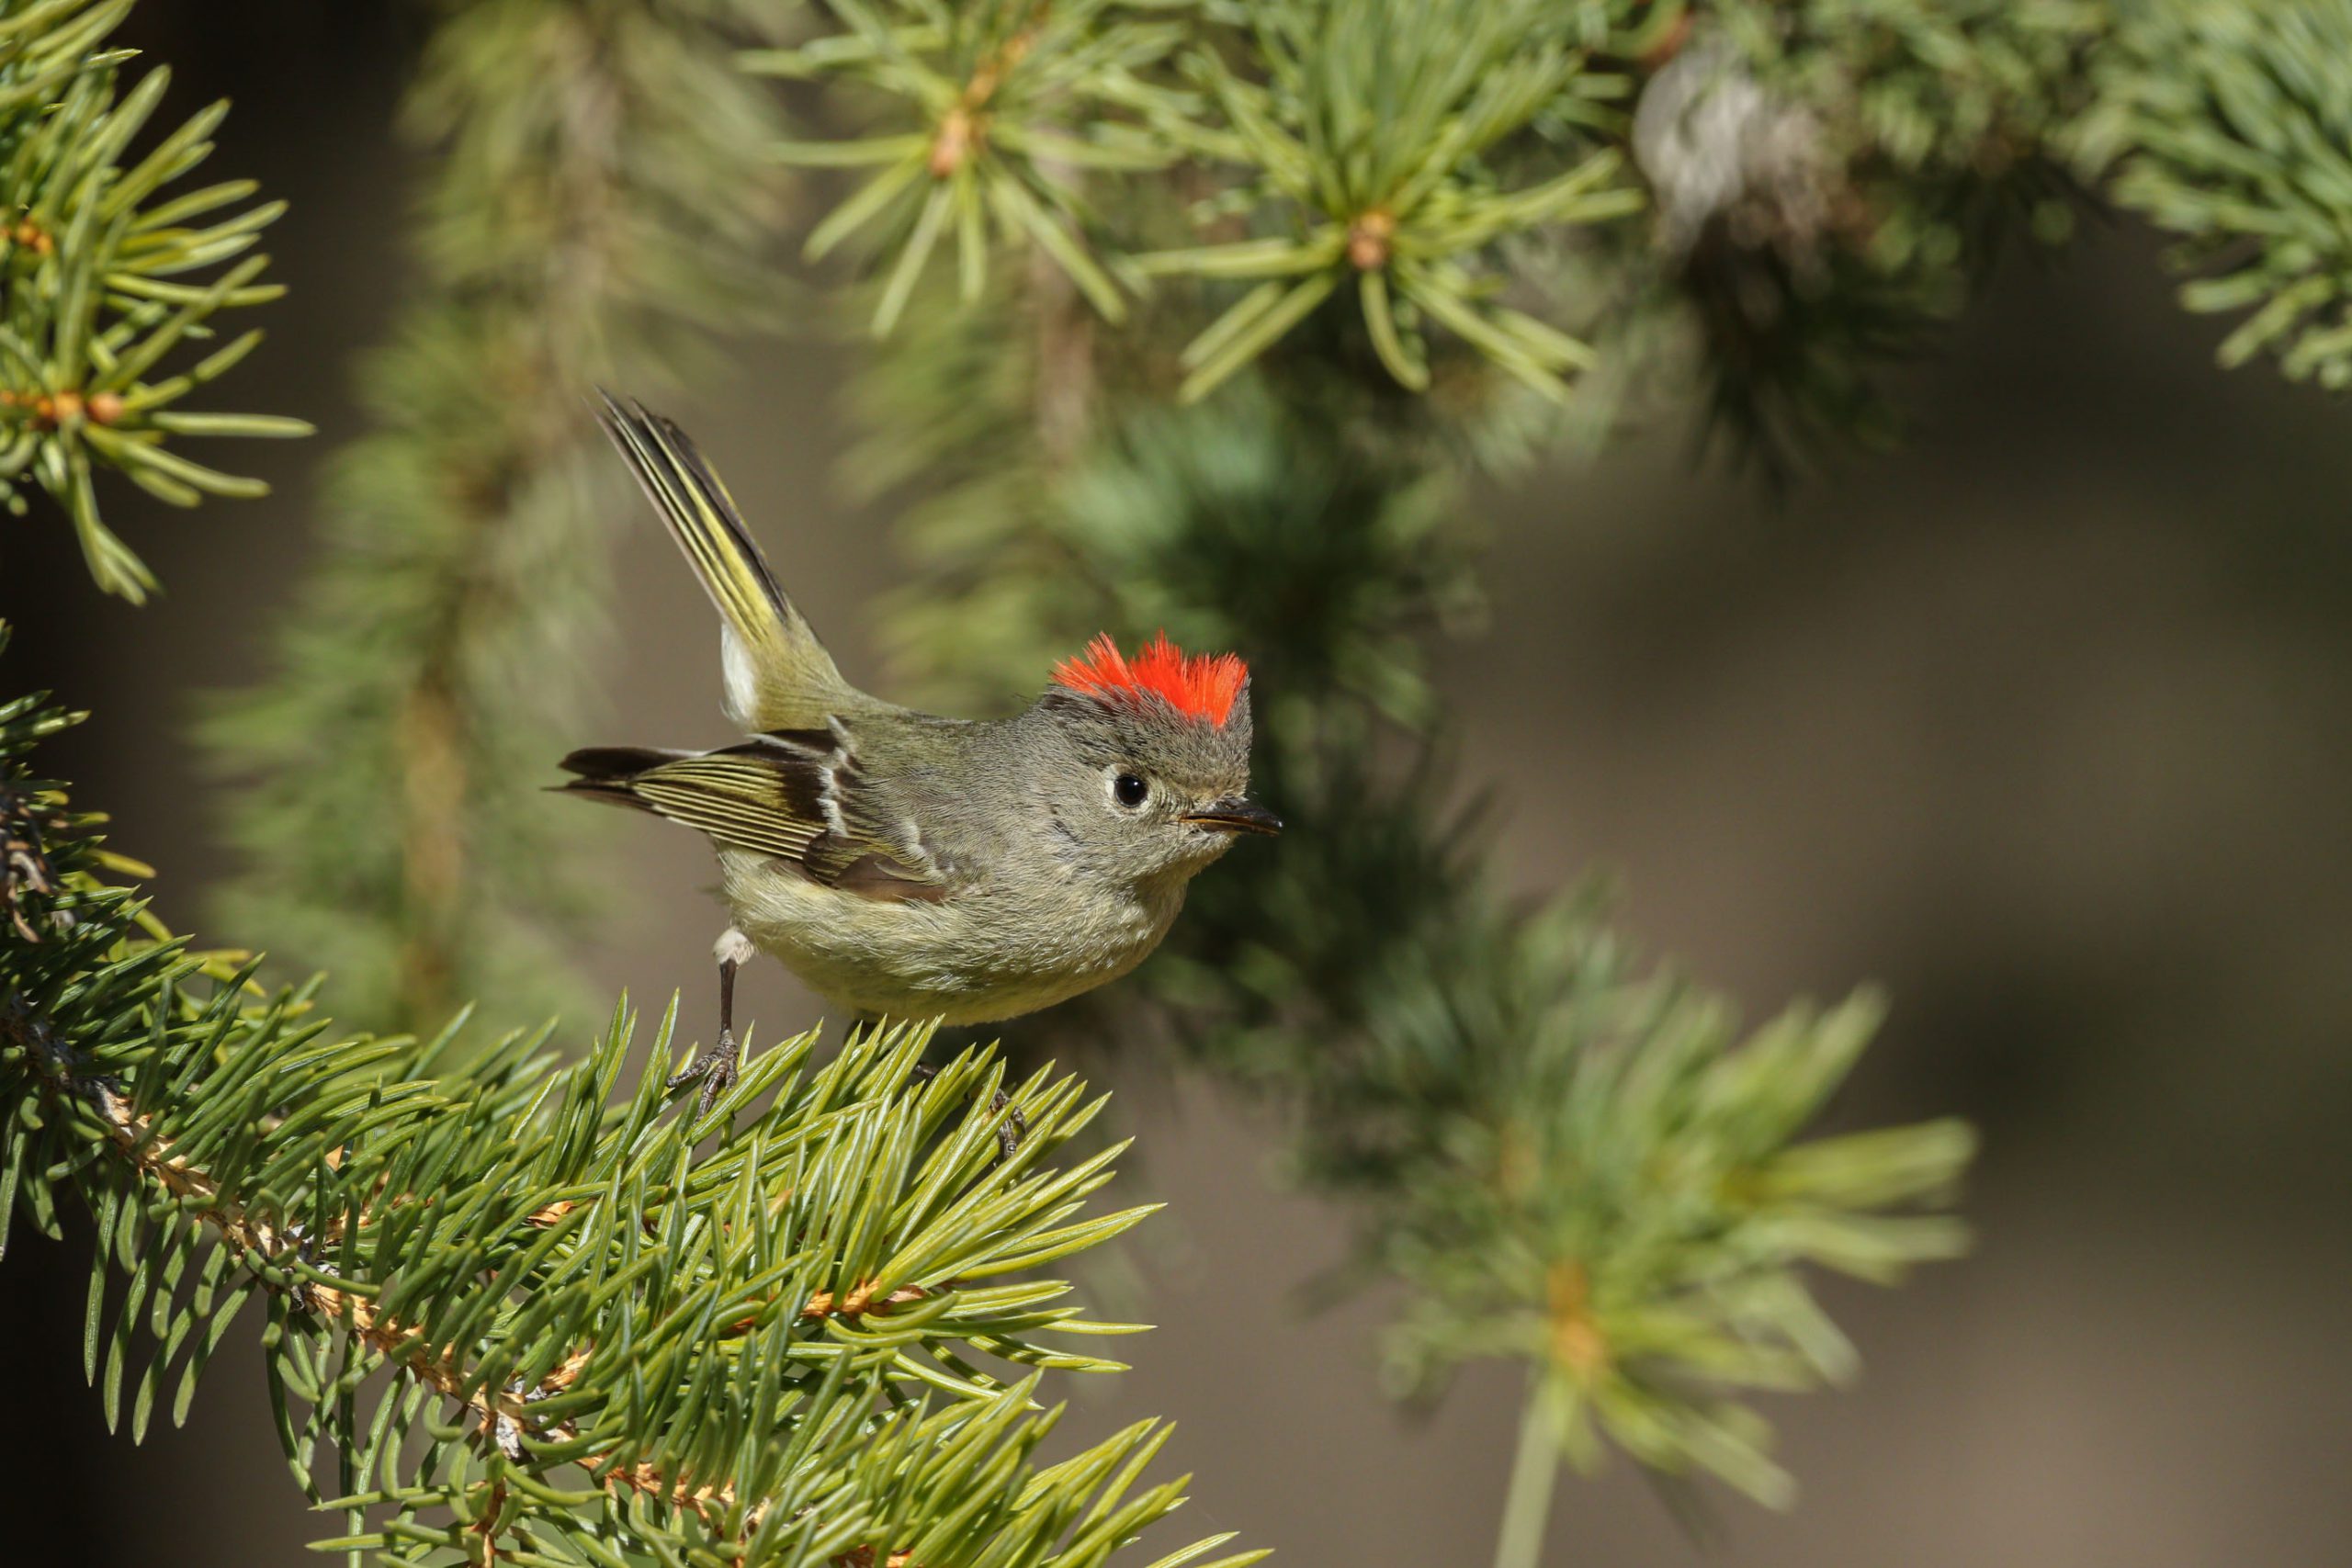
(1128, 790)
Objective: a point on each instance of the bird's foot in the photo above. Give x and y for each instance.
(714, 1070)
(1008, 1132)
(1012, 1130)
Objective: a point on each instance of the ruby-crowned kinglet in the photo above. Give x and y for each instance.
(910, 866)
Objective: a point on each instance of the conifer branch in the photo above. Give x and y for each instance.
(1384, 147)
(988, 113)
(108, 286)
(2228, 126)
(531, 1321)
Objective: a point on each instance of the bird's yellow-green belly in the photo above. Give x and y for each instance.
(970, 959)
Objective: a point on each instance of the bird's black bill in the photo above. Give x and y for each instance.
(1236, 817)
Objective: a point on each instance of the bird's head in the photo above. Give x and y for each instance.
(1158, 749)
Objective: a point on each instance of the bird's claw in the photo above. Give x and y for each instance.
(1008, 1132)
(1012, 1130)
(714, 1070)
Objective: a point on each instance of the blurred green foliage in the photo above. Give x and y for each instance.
(108, 287)
(599, 185)
(1615, 1185)
(2231, 126)
(984, 114)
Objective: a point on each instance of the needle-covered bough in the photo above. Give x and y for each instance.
(510, 1313)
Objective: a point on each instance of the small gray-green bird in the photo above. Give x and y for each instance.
(910, 866)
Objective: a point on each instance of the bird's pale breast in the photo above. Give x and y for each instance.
(973, 958)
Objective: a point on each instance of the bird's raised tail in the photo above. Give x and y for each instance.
(778, 676)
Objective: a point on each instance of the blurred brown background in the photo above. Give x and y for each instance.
(2042, 722)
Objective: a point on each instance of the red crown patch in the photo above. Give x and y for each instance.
(1201, 686)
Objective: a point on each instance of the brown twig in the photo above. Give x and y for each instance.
(964, 127)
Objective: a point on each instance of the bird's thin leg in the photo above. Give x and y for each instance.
(715, 1067)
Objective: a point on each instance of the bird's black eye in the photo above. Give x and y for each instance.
(1129, 791)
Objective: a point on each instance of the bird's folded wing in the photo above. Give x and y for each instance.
(796, 796)
(740, 801)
